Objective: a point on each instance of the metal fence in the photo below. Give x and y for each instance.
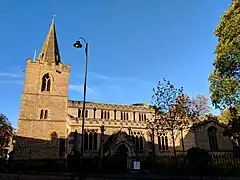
(219, 163)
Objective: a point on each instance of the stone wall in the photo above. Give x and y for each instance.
(202, 139)
(33, 131)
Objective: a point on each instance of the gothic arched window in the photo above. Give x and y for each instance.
(86, 141)
(95, 141)
(212, 136)
(41, 114)
(140, 143)
(166, 142)
(46, 114)
(137, 140)
(90, 141)
(46, 83)
(162, 141)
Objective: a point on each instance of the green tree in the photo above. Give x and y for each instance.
(6, 132)
(225, 78)
(224, 116)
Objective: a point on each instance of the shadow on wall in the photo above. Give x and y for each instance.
(32, 148)
(136, 144)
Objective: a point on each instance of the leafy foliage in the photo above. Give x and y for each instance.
(233, 126)
(225, 116)
(225, 79)
(6, 132)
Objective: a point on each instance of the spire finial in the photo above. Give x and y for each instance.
(53, 17)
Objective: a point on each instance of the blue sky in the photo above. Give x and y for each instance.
(132, 45)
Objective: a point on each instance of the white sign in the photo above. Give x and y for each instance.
(136, 165)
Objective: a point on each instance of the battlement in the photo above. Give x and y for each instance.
(61, 67)
(108, 106)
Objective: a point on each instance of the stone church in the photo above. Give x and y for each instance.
(49, 124)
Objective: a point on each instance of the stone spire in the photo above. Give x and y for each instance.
(50, 52)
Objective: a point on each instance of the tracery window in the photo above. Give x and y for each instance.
(43, 114)
(90, 140)
(46, 83)
(162, 141)
(137, 139)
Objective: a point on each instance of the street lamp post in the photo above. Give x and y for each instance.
(78, 44)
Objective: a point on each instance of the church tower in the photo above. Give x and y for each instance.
(44, 105)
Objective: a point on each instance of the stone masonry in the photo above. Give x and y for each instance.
(47, 116)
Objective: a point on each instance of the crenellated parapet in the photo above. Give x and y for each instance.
(111, 107)
(53, 66)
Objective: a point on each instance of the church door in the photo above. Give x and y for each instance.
(121, 158)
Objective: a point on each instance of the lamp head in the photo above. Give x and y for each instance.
(77, 44)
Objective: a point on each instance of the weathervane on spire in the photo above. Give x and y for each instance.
(53, 17)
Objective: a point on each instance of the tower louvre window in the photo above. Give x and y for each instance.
(46, 114)
(41, 114)
(46, 83)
